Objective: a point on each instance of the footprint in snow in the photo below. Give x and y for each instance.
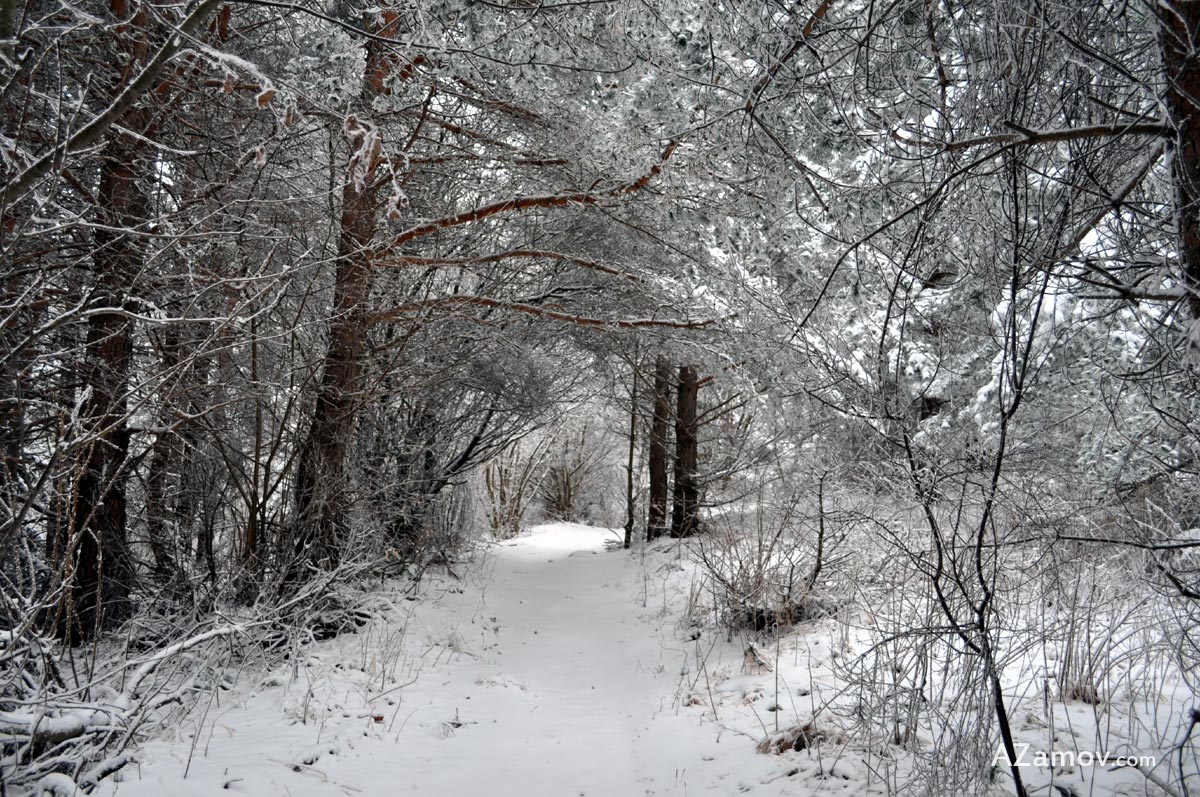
(312, 755)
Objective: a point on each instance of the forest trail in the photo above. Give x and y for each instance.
(570, 682)
(555, 666)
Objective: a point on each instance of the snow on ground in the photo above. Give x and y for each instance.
(555, 666)
(558, 664)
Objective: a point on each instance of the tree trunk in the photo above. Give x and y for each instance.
(91, 553)
(20, 318)
(1180, 25)
(630, 503)
(13, 377)
(164, 473)
(322, 480)
(174, 476)
(684, 521)
(256, 492)
(657, 523)
(321, 484)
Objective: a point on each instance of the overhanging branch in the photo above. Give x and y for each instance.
(532, 254)
(528, 203)
(1022, 135)
(91, 132)
(469, 300)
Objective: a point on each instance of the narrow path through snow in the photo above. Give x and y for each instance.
(566, 695)
(555, 668)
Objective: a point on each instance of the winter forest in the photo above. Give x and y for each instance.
(605, 397)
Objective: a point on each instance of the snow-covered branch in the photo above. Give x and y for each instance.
(512, 254)
(530, 202)
(1022, 135)
(411, 308)
(91, 132)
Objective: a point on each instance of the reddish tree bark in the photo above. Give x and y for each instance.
(321, 486)
(91, 553)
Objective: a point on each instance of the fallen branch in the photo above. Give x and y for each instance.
(147, 666)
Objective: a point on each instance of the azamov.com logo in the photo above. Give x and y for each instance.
(1070, 758)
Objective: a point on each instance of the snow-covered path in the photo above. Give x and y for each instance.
(556, 667)
(572, 684)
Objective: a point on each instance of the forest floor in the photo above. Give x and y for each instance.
(552, 665)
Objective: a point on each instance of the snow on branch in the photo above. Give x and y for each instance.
(65, 722)
(797, 42)
(148, 666)
(46, 728)
(530, 202)
(534, 310)
(91, 132)
(1022, 135)
(533, 254)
